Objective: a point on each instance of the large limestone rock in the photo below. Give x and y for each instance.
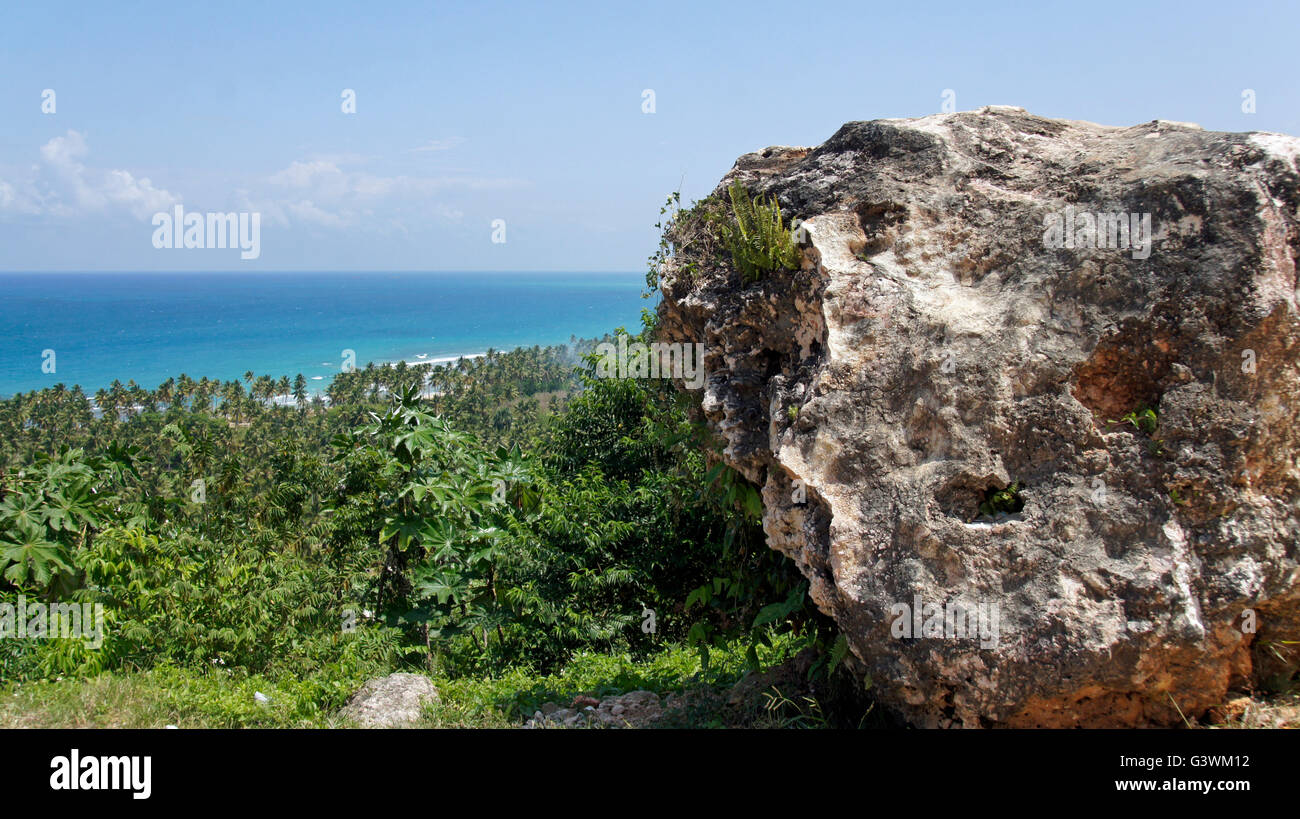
(944, 340)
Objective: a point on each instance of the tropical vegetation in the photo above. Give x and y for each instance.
(497, 523)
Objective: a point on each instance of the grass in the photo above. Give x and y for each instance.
(167, 695)
(164, 696)
(186, 698)
(1278, 711)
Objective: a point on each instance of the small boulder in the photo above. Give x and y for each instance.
(390, 702)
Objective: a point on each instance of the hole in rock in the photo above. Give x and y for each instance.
(771, 364)
(980, 497)
(1123, 373)
(998, 501)
(878, 220)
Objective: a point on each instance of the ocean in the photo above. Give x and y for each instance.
(153, 326)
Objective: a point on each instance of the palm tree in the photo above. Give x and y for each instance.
(184, 389)
(163, 395)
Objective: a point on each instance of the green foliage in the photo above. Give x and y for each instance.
(1005, 501)
(686, 235)
(737, 598)
(667, 212)
(169, 694)
(1143, 419)
(511, 519)
(53, 508)
(756, 236)
(173, 695)
(204, 604)
(447, 530)
(785, 712)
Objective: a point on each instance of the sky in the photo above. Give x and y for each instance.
(520, 136)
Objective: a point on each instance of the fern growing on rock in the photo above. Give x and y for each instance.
(756, 236)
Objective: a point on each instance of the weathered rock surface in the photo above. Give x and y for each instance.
(390, 702)
(939, 342)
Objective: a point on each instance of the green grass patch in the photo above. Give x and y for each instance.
(170, 695)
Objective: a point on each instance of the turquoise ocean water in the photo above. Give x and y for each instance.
(153, 326)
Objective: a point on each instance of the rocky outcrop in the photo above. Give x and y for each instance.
(390, 702)
(972, 316)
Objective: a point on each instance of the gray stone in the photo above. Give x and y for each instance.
(634, 709)
(389, 702)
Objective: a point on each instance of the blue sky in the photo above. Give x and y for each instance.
(532, 113)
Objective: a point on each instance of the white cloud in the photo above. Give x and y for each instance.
(321, 193)
(328, 181)
(138, 195)
(306, 211)
(64, 151)
(306, 174)
(61, 185)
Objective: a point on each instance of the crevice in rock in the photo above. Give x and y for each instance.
(1123, 374)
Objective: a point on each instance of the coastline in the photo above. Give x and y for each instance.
(147, 329)
(446, 359)
(317, 386)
